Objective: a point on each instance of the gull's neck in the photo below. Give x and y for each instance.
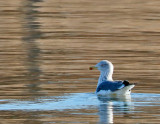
(105, 75)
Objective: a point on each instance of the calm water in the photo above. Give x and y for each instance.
(47, 46)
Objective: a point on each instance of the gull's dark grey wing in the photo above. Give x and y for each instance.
(111, 85)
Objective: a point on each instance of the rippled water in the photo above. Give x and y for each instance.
(46, 47)
(101, 109)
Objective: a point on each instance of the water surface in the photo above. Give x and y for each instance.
(47, 46)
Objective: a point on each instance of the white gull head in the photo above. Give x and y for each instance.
(106, 71)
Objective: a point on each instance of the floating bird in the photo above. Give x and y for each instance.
(106, 85)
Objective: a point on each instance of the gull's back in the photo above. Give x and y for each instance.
(117, 87)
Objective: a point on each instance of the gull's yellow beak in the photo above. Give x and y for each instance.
(92, 68)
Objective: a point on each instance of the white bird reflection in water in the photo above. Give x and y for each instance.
(110, 103)
(106, 113)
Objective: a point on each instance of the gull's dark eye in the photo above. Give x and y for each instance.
(103, 65)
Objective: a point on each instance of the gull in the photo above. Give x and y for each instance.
(106, 85)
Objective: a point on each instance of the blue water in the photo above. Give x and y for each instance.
(107, 109)
(80, 101)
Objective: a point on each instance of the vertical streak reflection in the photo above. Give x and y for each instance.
(31, 35)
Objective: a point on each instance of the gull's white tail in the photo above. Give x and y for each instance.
(125, 90)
